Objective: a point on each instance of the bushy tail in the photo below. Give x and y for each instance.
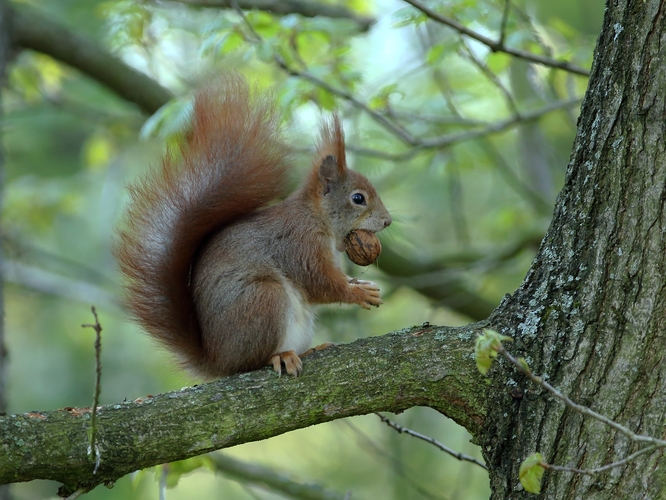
(232, 163)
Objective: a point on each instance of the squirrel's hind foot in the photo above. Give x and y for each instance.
(292, 363)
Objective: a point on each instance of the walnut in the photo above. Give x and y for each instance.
(362, 247)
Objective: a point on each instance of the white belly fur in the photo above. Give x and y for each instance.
(300, 322)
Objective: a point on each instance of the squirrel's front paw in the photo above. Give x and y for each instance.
(366, 293)
(292, 363)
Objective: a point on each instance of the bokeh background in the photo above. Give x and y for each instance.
(471, 197)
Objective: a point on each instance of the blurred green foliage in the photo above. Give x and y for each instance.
(71, 145)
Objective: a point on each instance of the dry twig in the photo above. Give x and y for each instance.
(94, 449)
(432, 441)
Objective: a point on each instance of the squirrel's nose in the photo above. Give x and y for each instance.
(387, 222)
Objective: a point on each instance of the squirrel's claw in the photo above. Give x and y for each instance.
(367, 293)
(319, 347)
(292, 363)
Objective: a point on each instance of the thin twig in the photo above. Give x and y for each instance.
(439, 75)
(400, 467)
(498, 126)
(394, 128)
(94, 449)
(584, 410)
(654, 443)
(497, 46)
(50, 283)
(456, 204)
(162, 486)
(487, 72)
(305, 75)
(284, 7)
(451, 139)
(76, 494)
(252, 474)
(505, 18)
(432, 441)
(598, 470)
(437, 119)
(397, 130)
(513, 181)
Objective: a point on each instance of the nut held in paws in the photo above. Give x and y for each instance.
(362, 247)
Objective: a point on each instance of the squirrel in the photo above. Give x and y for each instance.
(216, 268)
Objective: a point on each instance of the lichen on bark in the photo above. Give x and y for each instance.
(591, 312)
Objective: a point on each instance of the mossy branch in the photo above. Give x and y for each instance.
(419, 366)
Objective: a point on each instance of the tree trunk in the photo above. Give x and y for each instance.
(591, 313)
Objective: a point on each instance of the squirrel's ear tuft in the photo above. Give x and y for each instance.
(329, 173)
(332, 143)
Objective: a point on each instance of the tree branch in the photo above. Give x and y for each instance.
(50, 283)
(304, 8)
(451, 292)
(315, 80)
(31, 30)
(499, 45)
(266, 478)
(455, 454)
(468, 135)
(436, 369)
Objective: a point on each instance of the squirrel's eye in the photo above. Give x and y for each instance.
(358, 199)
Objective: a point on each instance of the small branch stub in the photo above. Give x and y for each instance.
(94, 449)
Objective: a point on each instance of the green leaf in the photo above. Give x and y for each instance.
(486, 347)
(408, 15)
(530, 472)
(98, 149)
(434, 54)
(524, 365)
(230, 42)
(484, 355)
(325, 99)
(261, 20)
(175, 470)
(498, 62)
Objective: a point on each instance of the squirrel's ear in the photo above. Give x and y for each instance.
(329, 173)
(332, 143)
(338, 143)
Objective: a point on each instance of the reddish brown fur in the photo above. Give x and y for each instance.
(213, 275)
(332, 143)
(232, 164)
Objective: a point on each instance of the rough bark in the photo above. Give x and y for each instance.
(591, 313)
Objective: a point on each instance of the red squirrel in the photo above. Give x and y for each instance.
(216, 273)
